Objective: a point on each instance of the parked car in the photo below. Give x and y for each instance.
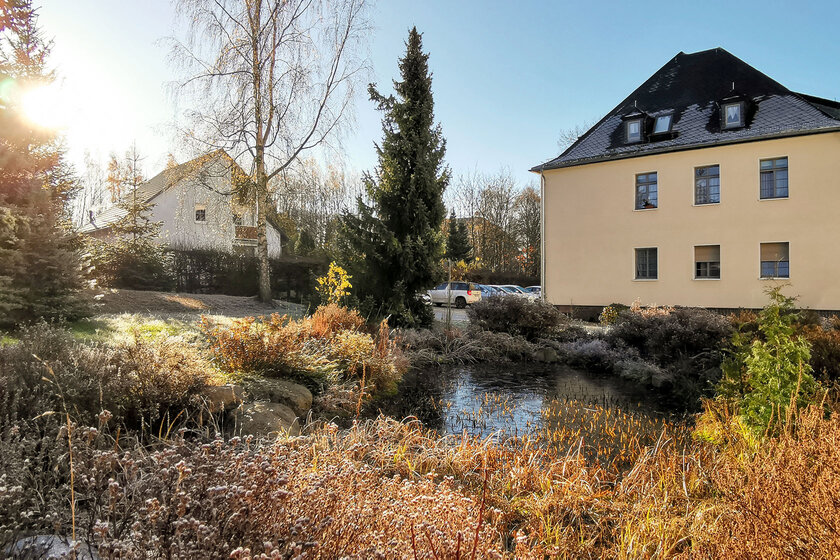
(536, 290)
(459, 293)
(504, 291)
(489, 291)
(519, 291)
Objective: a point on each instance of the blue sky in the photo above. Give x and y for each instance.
(508, 76)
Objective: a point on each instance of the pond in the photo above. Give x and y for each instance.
(518, 399)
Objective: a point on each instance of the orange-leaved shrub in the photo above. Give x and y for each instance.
(332, 345)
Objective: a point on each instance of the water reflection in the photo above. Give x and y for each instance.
(517, 399)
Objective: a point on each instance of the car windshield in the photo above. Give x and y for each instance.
(506, 289)
(516, 289)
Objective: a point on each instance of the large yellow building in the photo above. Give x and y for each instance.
(708, 183)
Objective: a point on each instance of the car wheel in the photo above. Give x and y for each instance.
(460, 302)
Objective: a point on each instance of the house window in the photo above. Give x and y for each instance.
(774, 178)
(775, 260)
(200, 213)
(733, 115)
(237, 219)
(633, 130)
(647, 195)
(707, 184)
(646, 264)
(707, 261)
(662, 124)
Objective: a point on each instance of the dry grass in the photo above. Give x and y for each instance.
(391, 489)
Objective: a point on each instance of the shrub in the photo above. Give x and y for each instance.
(516, 316)
(142, 266)
(334, 286)
(327, 347)
(426, 347)
(329, 320)
(825, 351)
(767, 375)
(138, 380)
(595, 354)
(668, 338)
(608, 315)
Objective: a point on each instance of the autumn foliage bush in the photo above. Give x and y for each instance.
(331, 345)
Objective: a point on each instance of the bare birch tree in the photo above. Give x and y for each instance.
(269, 80)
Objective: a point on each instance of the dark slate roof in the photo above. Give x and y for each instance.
(693, 86)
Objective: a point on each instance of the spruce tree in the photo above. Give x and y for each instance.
(40, 272)
(394, 244)
(135, 259)
(457, 240)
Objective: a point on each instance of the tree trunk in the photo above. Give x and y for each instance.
(262, 237)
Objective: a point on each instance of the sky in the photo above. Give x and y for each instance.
(508, 77)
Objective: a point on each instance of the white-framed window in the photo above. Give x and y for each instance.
(237, 219)
(774, 178)
(647, 191)
(633, 130)
(707, 262)
(647, 263)
(733, 114)
(707, 184)
(775, 260)
(200, 213)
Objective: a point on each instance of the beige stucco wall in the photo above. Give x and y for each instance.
(591, 227)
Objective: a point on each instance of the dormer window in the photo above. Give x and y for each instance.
(662, 124)
(733, 115)
(633, 130)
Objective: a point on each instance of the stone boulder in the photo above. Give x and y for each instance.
(223, 397)
(261, 419)
(546, 355)
(47, 547)
(297, 397)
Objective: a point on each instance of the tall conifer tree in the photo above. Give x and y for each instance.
(135, 259)
(394, 245)
(457, 240)
(40, 274)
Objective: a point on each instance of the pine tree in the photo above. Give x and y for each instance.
(40, 272)
(135, 260)
(457, 240)
(394, 245)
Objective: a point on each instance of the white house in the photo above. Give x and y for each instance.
(195, 205)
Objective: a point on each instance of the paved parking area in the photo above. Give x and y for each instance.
(458, 315)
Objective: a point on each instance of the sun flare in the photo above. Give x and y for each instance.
(46, 106)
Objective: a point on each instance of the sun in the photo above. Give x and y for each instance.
(46, 106)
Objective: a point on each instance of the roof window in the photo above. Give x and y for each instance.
(633, 130)
(662, 124)
(733, 115)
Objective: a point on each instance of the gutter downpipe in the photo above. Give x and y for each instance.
(542, 235)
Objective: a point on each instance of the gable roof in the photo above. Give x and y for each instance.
(161, 182)
(692, 86)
